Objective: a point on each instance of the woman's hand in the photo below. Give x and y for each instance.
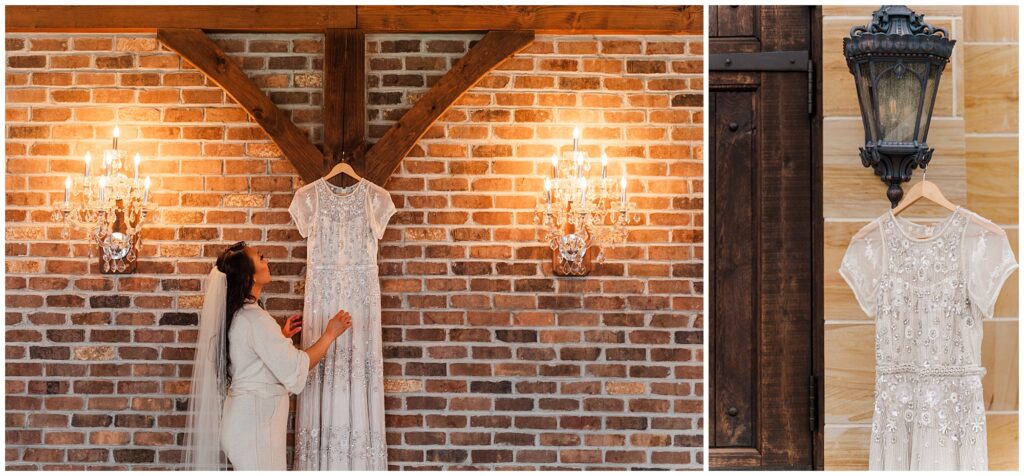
(292, 326)
(338, 324)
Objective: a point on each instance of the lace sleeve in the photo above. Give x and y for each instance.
(862, 266)
(990, 262)
(381, 210)
(302, 210)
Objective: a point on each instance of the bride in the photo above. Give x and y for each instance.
(242, 376)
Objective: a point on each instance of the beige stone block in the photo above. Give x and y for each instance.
(846, 448)
(990, 23)
(931, 12)
(840, 303)
(1008, 302)
(839, 95)
(990, 79)
(1003, 446)
(851, 190)
(999, 357)
(993, 165)
(849, 372)
(955, 70)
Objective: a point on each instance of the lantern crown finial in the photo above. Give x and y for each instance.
(896, 30)
(898, 20)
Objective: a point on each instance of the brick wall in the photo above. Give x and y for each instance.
(490, 361)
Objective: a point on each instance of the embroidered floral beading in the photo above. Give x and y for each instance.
(340, 419)
(918, 282)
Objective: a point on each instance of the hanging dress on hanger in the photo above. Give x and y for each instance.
(928, 289)
(340, 417)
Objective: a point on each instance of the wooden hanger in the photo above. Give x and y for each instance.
(926, 189)
(342, 167)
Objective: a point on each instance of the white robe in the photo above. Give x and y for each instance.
(265, 367)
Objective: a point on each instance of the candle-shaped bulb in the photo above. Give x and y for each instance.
(576, 133)
(117, 135)
(67, 190)
(547, 190)
(554, 165)
(145, 192)
(622, 186)
(88, 160)
(583, 189)
(138, 160)
(108, 159)
(604, 166)
(103, 187)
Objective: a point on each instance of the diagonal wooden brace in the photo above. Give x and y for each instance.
(205, 55)
(495, 47)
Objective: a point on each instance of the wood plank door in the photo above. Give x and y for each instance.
(764, 210)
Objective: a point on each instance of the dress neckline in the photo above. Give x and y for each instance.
(341, 193)
(941, 226)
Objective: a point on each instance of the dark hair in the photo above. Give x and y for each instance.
(238, 268)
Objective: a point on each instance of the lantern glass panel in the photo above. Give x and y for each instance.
(930, 90)
(864, 92)
(899, 89)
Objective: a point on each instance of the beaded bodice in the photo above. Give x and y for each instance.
(928, 288)
(924, 317)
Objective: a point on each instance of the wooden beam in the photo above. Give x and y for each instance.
(344, 94)
(540, 19)
(148, 19)
(354, 100)
(495, 47)
(196, 48)
(667, 20)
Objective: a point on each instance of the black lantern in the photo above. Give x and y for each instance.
(897, 62)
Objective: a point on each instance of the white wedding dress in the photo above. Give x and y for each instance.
(928, 288)
(340, 417)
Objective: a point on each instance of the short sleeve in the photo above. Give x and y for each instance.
(302, 209)
(288, 364)
(862, 266)
(990, 263)
(381, 210)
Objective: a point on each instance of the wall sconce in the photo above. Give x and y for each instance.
(579, 211)
(110, 207)
(897, 62)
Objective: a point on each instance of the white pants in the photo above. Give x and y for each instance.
(254, 431)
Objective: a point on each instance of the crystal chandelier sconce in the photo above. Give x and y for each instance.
(580, 211)
(110, 203)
